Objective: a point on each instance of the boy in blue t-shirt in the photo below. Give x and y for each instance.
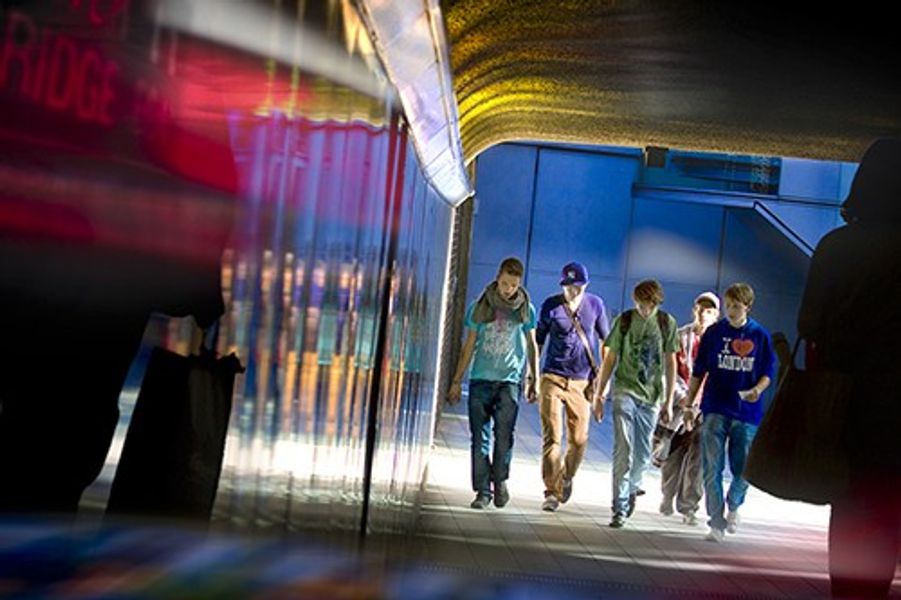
(736, 359)
(501, 336)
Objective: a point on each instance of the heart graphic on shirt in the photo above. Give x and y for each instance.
(743, 347)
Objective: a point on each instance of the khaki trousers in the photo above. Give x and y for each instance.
(556, 393)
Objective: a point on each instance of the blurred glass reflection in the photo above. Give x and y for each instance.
(334, 222)
(304, 283)
(304, 290)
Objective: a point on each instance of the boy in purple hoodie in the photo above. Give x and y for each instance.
(735, 362)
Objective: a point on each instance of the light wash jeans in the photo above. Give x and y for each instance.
(633, 428)
(717, 432)
(497, 401)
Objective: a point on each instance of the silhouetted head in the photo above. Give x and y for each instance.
(781, 346)
(876, 191)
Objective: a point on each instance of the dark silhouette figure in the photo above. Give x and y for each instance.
(72, 316)
(88, 249)
(113, 203)
(851, 312)
(783, 352)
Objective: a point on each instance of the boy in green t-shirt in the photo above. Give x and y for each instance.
(642, 348)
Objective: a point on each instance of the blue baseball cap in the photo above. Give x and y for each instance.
(574, 274)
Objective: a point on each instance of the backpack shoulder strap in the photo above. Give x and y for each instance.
(625, 321)
(663, 322)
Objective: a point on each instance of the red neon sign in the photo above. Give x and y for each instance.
(56, 71)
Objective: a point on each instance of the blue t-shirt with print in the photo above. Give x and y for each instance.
(500, 350)
(734, 359)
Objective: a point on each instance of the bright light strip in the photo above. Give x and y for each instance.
(409, 38)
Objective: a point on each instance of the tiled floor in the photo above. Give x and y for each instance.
(779, 551)
(523, 552)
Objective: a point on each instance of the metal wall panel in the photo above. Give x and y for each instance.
(408, 400)
(688, 235)
(502, 210)
(586, 209)
(301, 313)
(809, 221)
(306, 309)
(811, 179)
(755, 253)
(582, 212)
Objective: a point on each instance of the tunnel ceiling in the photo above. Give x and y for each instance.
(713, 76)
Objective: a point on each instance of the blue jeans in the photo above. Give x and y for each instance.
(715, 432)
(633, 428)
(489, 400)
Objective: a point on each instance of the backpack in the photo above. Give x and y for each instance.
(625, 321)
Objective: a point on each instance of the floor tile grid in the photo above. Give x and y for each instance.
(528, 439)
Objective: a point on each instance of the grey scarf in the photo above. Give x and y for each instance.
(488, 303)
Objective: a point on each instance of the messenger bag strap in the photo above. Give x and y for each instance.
(582, 336)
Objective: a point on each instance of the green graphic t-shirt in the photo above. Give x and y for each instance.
(640, 367)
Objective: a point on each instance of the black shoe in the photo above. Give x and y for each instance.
(501, 495)
(618, 520)
(567, 490)
(481, 501)
(631, 509)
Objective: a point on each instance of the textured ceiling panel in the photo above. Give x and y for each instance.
(703, 75)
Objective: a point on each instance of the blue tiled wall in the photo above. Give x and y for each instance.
(552, 204)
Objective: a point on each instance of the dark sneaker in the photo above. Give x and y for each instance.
(632, 499)
(481, 501)
(501, 495)
(550, 504)
(618, 520)
(567, 491)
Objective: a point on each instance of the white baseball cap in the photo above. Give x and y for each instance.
(710, 296)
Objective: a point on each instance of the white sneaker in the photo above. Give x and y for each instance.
(732, 521)
(715, 535)
(550, 504)
(690, 519)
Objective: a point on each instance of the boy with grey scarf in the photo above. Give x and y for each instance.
(500, 343)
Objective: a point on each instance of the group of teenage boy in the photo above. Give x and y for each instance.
(698, 386)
